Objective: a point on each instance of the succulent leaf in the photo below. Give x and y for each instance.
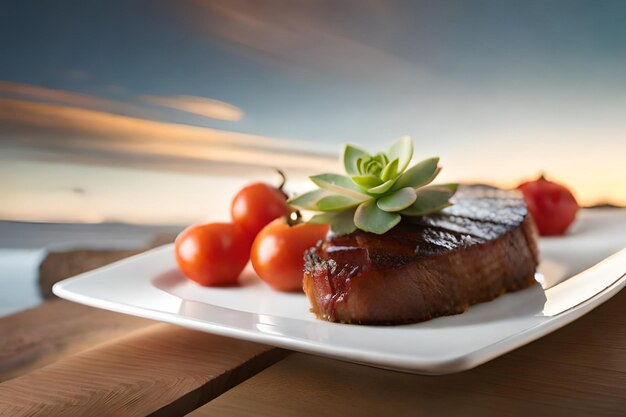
(361, 163)
(377, 192)
(338, 184)
(322, 218)
(382, 158)
(338, 202)
(452, 188)
(370, 218)
(351, 157)
(390, 171)
(382, 188)
(308, 201)
(403, 150)
(430, 200)
(373, 167)
(341, 222)
(398, 200)
(367, 181)
(432, 177)
(419, 174)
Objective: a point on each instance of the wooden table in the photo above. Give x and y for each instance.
(65, 359)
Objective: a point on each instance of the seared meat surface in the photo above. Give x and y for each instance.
(436, 265)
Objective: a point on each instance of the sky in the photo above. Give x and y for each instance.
(173, 105)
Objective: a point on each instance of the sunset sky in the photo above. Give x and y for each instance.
(156, 111)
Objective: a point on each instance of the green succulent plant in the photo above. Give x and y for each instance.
(377, 191)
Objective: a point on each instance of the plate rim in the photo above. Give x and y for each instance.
(452, 364)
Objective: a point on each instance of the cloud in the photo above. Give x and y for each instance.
(210, 108)
(111, 138)
(70, 98)
(213, 109)
(304, 36)
(52, 95)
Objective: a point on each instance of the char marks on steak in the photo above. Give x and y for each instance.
(435, 265)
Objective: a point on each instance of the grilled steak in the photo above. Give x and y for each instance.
(436, 265)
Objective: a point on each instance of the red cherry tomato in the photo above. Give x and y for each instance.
(213, 254)
(256, 205)
(552, 205)
(278, 252)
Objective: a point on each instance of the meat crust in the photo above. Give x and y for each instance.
(474, 251)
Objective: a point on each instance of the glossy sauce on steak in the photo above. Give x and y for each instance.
(435, 265)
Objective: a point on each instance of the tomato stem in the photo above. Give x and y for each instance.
(283, 180)
(294, 218)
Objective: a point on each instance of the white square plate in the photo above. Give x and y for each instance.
(149, 285)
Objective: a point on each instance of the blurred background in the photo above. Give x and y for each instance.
(123, 120)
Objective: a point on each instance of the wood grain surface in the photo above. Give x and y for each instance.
(578, 371)
(65, 359)
(56, 329)
(160, 370)
(60, 265)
